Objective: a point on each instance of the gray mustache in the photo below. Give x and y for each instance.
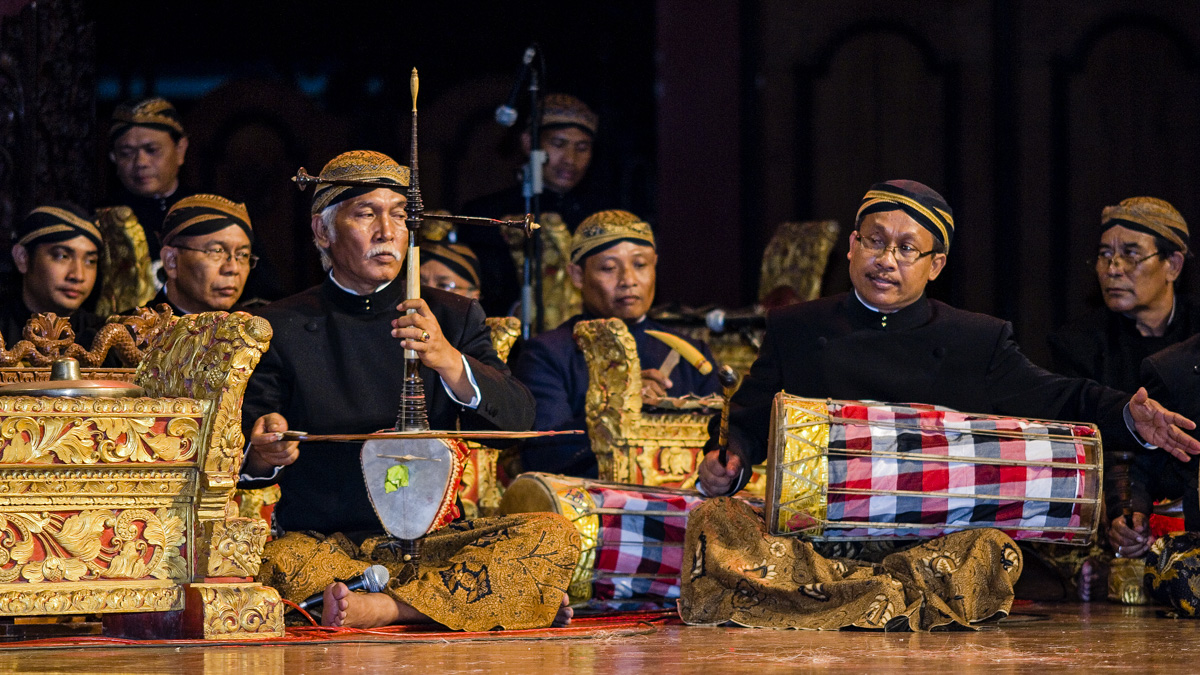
(380, 249)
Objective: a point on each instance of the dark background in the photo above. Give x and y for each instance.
(719, 119)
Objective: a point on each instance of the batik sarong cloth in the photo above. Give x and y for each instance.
(474, 575)
(735, 570)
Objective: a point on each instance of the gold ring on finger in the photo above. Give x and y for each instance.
(424, 336)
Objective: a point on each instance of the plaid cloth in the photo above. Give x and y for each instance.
(928, 430)
(640, 556)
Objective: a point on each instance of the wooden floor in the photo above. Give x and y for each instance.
(1040, 639)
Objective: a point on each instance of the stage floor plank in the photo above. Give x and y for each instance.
(1042, 638)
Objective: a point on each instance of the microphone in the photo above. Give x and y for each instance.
(373, 580)
(719, 321)
(506, 115)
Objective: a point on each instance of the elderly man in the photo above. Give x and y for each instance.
(1143, 244)
(567, 133)
(886, 341)
(57, 253)
(147, 146)
(613, 263)
(336, 366)
(206, 254)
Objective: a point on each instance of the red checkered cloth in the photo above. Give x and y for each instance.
(995, 494)
(640, 556)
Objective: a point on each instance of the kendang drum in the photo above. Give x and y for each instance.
(845, 470)
(632, 535)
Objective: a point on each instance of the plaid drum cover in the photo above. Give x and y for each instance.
(632, 535)
(866, 470)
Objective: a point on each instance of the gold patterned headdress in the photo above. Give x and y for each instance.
(606, 228)
(917, 200)
(1149, 215)
(56, 222)
(356, 165)
(204, 214)
(564, 110)
(154, 113)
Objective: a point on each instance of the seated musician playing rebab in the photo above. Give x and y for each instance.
(336, 365)
(884, 341)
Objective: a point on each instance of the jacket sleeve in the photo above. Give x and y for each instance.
(504, 402)
(750, 409)
(558, 409)
(268, 390)
(1020, 388)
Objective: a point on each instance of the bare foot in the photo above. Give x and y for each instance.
(563, 618)
(1093, 580)
(365, 610)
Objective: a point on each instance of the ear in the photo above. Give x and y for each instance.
(1174, 266)
(576, 273)
(112, 156)
(853, 243)
(319, 233)
(181, 147)
(526, 142)
(170, 261)
(20, 256)
(937, 264)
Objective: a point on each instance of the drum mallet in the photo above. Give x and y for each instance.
(729, 382)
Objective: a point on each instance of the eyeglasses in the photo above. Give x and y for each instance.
(905, 254)
(452, 287)
(1126, 262)
(219, 256)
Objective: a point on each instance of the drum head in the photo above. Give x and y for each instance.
(530, 493)
(408, 505)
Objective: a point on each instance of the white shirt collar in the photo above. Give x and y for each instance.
(869, 306)
(354, 292)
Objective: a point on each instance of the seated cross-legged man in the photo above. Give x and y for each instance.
(1140, 255)
(206, 254)
(885, 341)
(336, 365)
(613, 263)
(57, 253)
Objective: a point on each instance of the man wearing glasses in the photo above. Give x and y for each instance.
(206, 254)
(1143, 243)
(886, 341)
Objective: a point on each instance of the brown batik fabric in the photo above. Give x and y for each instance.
(736, 571)
(506, 572)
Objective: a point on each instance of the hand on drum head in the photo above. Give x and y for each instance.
(1161, 427)
(267, 447)
(719, 480)
(1130, 542)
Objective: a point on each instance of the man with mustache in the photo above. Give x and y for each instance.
(568, 132)
(613, 263)
(206, 254)
(336, 365)
(886, 341)
(57, 252)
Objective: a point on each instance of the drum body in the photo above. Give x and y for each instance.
(865, 470)
(632, 535)
(413, 483)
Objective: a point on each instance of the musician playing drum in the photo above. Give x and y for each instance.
(336, 365)
(885, 341)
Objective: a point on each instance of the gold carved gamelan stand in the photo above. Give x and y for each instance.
(632, 446)
(121, 506)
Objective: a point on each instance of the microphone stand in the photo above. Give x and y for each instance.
(532, 306)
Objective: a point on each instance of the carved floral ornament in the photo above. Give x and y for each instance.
(93, 545)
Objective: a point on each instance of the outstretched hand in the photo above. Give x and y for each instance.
(1163, 428)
